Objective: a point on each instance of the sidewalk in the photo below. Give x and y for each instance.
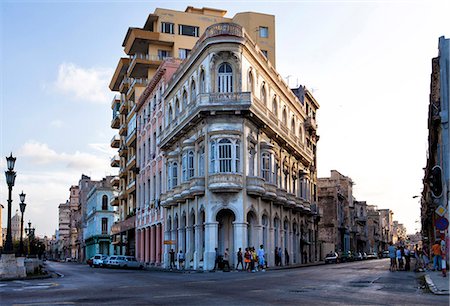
(436, 283)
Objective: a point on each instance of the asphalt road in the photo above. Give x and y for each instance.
(358, 283)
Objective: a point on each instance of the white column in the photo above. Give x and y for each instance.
(197, 245)
(240, 240)
(211, 236)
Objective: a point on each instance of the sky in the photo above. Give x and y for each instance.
(368, 64)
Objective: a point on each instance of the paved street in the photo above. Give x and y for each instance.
(359, 283)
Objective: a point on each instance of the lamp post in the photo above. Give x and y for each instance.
(10, 179)
(28, 231)
(22, 210)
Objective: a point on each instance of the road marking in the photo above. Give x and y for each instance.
(180, 295)
(54, 303)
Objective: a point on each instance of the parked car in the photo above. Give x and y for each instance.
(364, 254)
(358, 256)
(385, 254)
(332, 257)
(373, 255)
(124, 262)
(97, 260)
(346, 256)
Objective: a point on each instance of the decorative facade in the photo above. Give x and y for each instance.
(239, 155)
(166, 33)
(150, 215)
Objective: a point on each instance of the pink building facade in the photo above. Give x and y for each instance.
(149, 214)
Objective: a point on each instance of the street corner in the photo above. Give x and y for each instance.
(437, 283)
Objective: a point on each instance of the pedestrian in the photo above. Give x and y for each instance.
(399, 258)
(426, 257)
(407, 258)
(392, 256)
(436, 252)
(226, 260)
(247, 259)
(277, 259)
(181, 259)
(172, 259)
(261, 258)
(239, 259)
(216, 261)
(280, 256)
(254, 260)
(286, 257)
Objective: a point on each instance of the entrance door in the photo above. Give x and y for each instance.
(225, 217)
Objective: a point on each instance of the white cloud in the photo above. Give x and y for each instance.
(88, 84)
(41, 154)
(56, 123)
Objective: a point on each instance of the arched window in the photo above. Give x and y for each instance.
(225, 78)
(184, 167)
(193, 93)
(266, 165)
(105, 202)
(293, 125)
(276, 170)
(275, 107)
(284, 118)
(225, 157)
(213, 157)
(185, 99)
(263, 95)
(190, 164)
(177, 107)
(201, 161)
(170, 114)
(250, 82)
(202, 82)
(300, 134)
(174, 174)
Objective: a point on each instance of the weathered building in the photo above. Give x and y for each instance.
(335, 198)
(64, 250)
(252, 178)
(75, 215)
(373, 229)
(166, 33)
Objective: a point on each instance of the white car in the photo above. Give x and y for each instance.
(97, 260)
(124, 262)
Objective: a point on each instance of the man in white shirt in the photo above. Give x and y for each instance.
(261, 260)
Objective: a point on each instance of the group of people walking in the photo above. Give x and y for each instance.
(252, 260)
(400, 258)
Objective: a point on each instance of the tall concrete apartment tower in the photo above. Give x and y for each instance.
(166, 33)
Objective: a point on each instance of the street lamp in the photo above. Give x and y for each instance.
(28, 231)
(10, 179)
(22, 210)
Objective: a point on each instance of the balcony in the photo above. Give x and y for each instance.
(185, 192)
(124, 84)
(115, 141)
(131, 187)
(310, 124)
(115, 161)
(255, 186)
(131, 138)
(270, 191)
(115, 181)
(123, 151)
(141, 82)
(290, 197)
(177, 193)
(123, 108)
(281, 196)
(197, 186)
(114, 201)
(140, 63)
(119, 73)
(131, 162)
(123, 172)
(225, 182)
(123, 130)
(122, 226)
(115, 122)
(137, 40)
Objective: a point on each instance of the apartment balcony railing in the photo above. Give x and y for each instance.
(290, 197)
(115, 141)
(124, 84)
(122, 226)
(197, 186)
(281, 196)
(255, 185)
(225, 182)
(137, 82)
(115, 161)
(310, 124)
(131, 137)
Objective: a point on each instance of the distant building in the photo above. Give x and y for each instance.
(75, 215)
(64, 250)
(386, 227)
(373, 229)
(335, 198)
(360, 241)
(15, 226)
(99, 219)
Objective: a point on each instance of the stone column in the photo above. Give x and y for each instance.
(189, 246)
(240, 240)
(211, 236)
(197, 245)
(152, 244)
(146, 246)
(158, 244)
(167, 236)
(138, 245)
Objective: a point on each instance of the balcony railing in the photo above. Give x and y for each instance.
(121, 226)
(141, 81)
(225, 182)
(255, 185)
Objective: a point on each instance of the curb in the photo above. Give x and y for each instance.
(433, 287)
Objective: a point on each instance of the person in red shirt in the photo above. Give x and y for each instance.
(436, 251)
